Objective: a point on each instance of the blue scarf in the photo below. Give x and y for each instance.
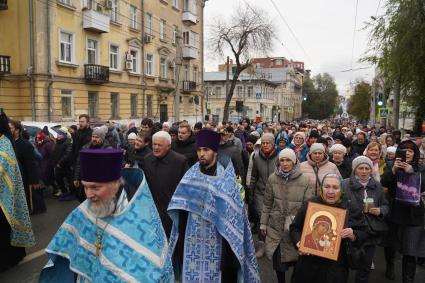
(218, 201)
(134, 246)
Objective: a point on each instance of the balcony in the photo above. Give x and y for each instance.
(96, 74)
(189, 18)
(4, 64)
(95, 21)
(190, 52)
(189, 86)
(3, 4)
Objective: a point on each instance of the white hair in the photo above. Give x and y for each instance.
(162, 134)
(268, 137)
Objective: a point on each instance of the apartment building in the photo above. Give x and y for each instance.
(116, 59)
(253, 97)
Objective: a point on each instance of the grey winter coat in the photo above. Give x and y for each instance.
(282, 200)
(262, 168)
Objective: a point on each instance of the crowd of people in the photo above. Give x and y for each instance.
(175, 201)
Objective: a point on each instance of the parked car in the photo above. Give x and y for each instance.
(33, 128)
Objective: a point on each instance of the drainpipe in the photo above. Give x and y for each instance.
(49, 66)
(143, 60)
(32, 59)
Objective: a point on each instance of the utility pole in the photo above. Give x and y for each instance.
(396, 103)
(227, 81)
(373, 102)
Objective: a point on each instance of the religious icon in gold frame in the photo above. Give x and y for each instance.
(322, 228)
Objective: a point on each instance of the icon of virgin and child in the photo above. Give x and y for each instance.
(323, 232)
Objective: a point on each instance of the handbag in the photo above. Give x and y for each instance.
(376, 225)
(356, 256)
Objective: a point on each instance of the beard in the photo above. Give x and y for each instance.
(102, 208)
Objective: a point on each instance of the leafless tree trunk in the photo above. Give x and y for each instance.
(247, 32)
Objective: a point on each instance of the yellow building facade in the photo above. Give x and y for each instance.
(116, 59)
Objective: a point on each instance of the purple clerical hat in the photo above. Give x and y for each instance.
(207, 138)
(100, 165)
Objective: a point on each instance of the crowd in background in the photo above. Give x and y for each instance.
(280, 166)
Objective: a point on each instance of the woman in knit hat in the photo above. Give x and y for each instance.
(317, 166)
(310, 268)
(287, 189)
(338, 157)
(365, 193)
(405, 182)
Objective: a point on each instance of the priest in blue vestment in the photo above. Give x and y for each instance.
(211, 238)
(116, 235)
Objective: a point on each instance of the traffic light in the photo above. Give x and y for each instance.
(380, 100)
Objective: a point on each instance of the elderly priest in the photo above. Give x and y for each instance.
(116, 234)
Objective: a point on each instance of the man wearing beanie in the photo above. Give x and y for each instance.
(317, 166)
(97, 141)
(211, 239)
(338, 157)
(116, 234)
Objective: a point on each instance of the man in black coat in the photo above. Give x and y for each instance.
(25, 155)
(164, 169)
(82, 136)
(360, 144)
(185, 144)
(135, 155)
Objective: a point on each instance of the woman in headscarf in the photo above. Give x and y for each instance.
(406, 182)
(287, 189)
(374, 152)
(299, 146)
(310, 268)
(338, 153)
(366, 193)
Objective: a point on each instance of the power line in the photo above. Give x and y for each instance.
(292, 32)
(273, 33)
(377, 9)
(354, 34)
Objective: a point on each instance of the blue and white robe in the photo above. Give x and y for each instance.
(215, 212)
(134, 246)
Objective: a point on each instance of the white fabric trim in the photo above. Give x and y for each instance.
(158, 261)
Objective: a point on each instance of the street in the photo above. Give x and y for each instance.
(45, 226)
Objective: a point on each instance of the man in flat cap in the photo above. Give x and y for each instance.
(116, 234)
(211, 239)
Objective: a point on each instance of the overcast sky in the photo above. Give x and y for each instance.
(324, 29)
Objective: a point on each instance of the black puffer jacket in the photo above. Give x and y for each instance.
(62, 153)
(344, 168)
(81, 138)
(186, 148)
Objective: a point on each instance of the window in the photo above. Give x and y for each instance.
(66, 2)
(114, 105)
(113, 56)
(91, 51)
(250, 91)
(67, 105)
(162, 29)
(148, 23)
(133, 17)
(135, 59)
(133, 104)
(190, 38)
(217, 91)
(239, 91)
(195, 74)
(174, 34)
(189, 6)
(114, 11)
(186, 72)
(163, 68)
(66, 47)
(175, 71)
(176, 3)
(149, 65)
(93, 104)
(149, 106)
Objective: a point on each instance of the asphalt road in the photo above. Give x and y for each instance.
(45, 226)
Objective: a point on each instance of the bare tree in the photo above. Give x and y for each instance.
(247, 32)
